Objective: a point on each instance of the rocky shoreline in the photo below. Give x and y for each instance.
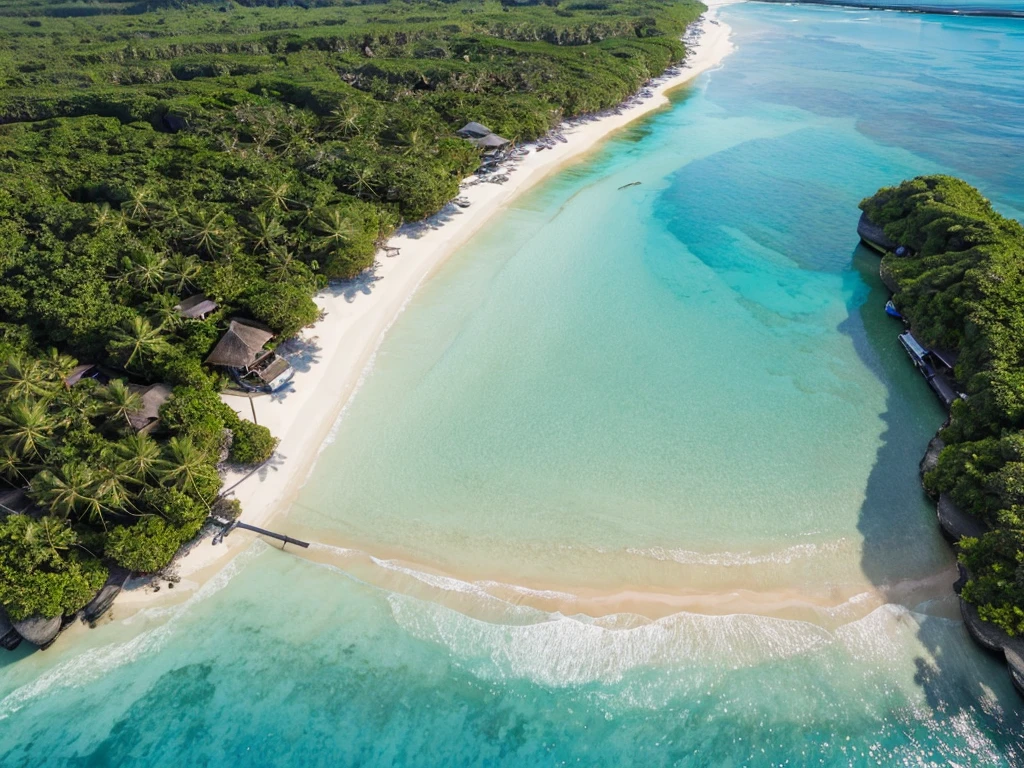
(953, 521)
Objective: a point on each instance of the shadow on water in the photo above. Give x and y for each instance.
(897, 518)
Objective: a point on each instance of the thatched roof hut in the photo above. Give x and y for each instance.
(153, 396)
(39, 630)
(9, 637)
(491, 141)
(242, 345)
(473, 131)
(873, 235)
(196, 307)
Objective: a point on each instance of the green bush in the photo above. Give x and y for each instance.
(252, 444)
(145, 547)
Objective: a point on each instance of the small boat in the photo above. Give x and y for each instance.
(891, 311)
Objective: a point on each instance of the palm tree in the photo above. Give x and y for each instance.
(163, 309)
(56, 366)
(185, 465)
(26, 427)
(181, 272)
(119, 402)
(103, 216)
(138, 202)
(138, 458)
(335, 230)
(267, 231)
(72, 491)
(204, 231)
(146, 271)
(12, 466)
(361, 182)
(139, 339)
(23, 377)
(275, 196)
(344, 120)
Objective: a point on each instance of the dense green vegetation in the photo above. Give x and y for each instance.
(150, 151)
(962, 288)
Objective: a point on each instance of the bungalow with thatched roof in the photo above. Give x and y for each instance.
(153, 397)
(241, 351)
(473, 131)
(196, 307)
(491, 141)
(241, 347)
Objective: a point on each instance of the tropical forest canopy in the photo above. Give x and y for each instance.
(153, 151)
(962, 288)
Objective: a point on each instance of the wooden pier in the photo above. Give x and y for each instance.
(262, 532)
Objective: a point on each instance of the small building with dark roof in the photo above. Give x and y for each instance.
(153, 397)
(196, 307)
(473, 131)
(241, 347)
(87, 371)
(241, 351)
(491, 141)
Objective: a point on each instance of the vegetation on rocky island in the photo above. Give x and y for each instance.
(961, 287)
(250, 152)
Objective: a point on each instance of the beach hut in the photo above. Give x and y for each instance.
(491, 141)
(196, 307)
(153, 397)
(241, 351)
(38, 630)
(241, 347)
(473, 131)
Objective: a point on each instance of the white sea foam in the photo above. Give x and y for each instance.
(734, 559)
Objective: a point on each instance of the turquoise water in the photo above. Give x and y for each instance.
(632, 481)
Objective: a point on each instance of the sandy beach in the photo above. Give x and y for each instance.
(332, 357)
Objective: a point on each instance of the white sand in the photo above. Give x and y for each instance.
(332, 357)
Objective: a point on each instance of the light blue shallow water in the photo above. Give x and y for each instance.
(685, 390)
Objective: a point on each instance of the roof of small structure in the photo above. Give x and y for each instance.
(78, 373)
(196, 306)
(276, 368)
(38, 630)
(473, 130)
(947, 356)
(912, 343)
(242, 344)
(153, 397)
(491, 141)
(14, 501)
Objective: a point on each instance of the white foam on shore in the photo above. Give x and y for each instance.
(563, 650)
(734, 559)
(94, 663)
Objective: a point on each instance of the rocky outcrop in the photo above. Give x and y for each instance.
(887, 278)
(931, 456)
(955, 523)
(9, 637)
(993, 639)
(100, 604)
(873, 235)
(38, 630)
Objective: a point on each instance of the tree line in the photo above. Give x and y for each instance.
(961, 286)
